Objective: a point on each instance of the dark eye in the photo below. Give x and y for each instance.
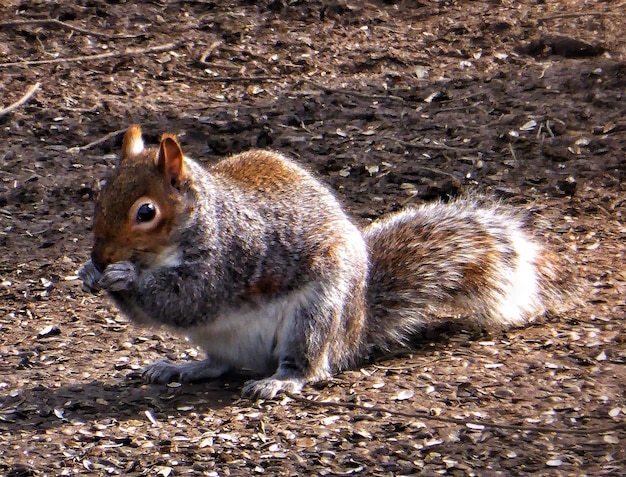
(146, 212)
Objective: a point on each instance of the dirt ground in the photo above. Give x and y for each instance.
(391, 103)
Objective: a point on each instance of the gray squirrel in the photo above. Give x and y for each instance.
(255, 261)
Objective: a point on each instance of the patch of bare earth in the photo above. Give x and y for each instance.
(392, 103)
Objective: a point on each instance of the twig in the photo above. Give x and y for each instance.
(76, 149)
(437, 171)
(458, 108)
(21, 101)
(227, 79)
(412, 196)
(351, 92)
(513, 153)
(576, 15)
(462, 98)
(209, 51)
(549, 129)
(112, 54)
(222, 66)
(440, 147)
(452, 420)
(67, 26)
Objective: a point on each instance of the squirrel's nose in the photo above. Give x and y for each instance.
(99, 255)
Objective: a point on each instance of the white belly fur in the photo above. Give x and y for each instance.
(246, 338)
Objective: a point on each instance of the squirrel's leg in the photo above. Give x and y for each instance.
(318, 340)
(166, 371)
(287, 378)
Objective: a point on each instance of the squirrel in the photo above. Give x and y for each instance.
(255, 261)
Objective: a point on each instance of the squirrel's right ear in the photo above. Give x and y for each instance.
(170, 159)
(133, 142)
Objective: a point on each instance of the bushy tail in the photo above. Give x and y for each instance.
(460, 257)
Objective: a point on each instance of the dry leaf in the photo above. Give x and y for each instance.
(305, 442)
(615, 412)
(404, 395)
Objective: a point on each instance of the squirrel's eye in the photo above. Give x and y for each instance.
(146, 212)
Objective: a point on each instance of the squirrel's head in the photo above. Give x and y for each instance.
(140, 204)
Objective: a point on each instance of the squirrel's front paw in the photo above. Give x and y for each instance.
(269, 387)
(165, 371)
(118, 276)
(90, 276)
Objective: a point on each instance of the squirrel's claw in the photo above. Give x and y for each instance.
(268, 388)
(161, 372)
(118, 276)
(90, 276)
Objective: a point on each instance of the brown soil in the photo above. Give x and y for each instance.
(391, 102)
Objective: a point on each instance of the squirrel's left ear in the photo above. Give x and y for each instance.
(170, 159)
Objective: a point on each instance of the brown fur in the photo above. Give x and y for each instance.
(259, 171)
(116, 239)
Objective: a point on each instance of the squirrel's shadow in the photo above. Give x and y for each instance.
(44, 407)
(129, 398)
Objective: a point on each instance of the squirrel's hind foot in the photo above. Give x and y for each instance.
(166, 371)
(268, 388)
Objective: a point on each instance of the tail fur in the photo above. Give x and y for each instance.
(462, 256)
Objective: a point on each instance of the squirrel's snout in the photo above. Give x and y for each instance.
(101, 255)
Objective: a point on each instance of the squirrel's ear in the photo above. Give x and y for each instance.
(133, 142)
(170, 159)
